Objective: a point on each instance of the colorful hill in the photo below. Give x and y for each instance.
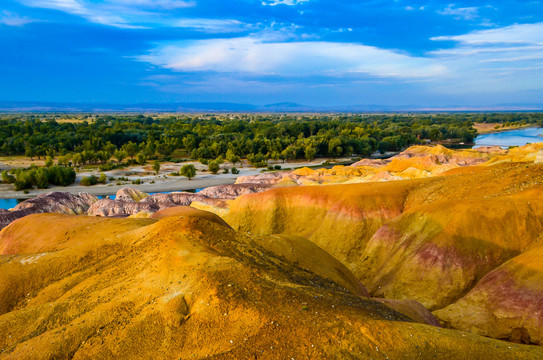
(185, 287)
(347, 266)
(432, 239)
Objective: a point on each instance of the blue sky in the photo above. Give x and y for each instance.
(313, 52)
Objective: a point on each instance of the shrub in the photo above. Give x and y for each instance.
(234, 171)
(89, 180)
(42, 177)
(213, 167)
(107, 167)
(7, 178)
(188, 171)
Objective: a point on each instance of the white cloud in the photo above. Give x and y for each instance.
(11, 19)
(92, 13)
(212, 25)
(283, 2)
(260, 55)
(465, 13)
(160, 4)
(117, 13)
(477, 58)
(519, 34)
(493, 62)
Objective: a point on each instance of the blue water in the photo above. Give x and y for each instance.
(11, 203)
(510, 138)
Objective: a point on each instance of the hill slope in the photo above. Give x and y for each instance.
(185, 287)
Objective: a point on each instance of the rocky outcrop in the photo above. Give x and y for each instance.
(8, 217)
(150, 204)
(179, 198)
(262, 179)
(233, 191)
(130, 194)
(371, 162)
(58, 202)
(96, 288)
(117, 208)
(54, 202)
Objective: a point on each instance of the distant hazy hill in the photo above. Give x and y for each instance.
(39, 106)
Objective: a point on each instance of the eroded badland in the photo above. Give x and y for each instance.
(434, 254)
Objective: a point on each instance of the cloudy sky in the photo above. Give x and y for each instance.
(314, 52)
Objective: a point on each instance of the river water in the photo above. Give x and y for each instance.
(510, 138)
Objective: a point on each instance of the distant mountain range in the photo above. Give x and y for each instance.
(39, 106)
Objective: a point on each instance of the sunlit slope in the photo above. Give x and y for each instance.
(338, 218)
(436, 253)
(187, 287)
(342, 218)
(433, 240)
(506, 303)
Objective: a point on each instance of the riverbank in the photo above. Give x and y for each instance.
(490, 128)
(163, 182)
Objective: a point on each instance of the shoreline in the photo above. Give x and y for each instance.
(162, 182)
(111, 189)
(497, 131)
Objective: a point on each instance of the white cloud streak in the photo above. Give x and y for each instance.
(211, 25)
(258, 56)
(463, 13)
(282, 2)
(11, 19)
(515, 34)
(473, 65)
(92, 13)
(116, 13)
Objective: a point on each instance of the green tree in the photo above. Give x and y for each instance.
(41, 178)
(76, 159)
(188, 171)
(49, 161)
(232, 157)
(156, 167)
(131, 149)
(310, 153)
(120, 155)
(30, 152)
(164, 149)
(213, 167)
(141, 158)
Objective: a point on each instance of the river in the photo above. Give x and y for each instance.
(506, 139)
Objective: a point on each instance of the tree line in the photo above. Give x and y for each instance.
(257, 138)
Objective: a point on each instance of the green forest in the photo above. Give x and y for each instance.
(107, 139)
